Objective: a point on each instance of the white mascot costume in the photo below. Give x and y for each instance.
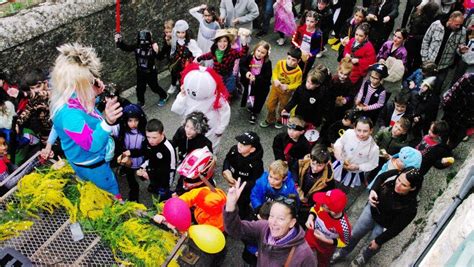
(203, 90)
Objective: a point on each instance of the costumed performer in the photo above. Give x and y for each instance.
(203, 90)
(84, 132)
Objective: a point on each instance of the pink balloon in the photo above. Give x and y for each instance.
(177, 213)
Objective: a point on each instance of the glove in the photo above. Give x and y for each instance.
(118, 37)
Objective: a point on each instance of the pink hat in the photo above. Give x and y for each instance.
(335, 200)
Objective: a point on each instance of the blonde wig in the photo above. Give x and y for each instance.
(74, 71)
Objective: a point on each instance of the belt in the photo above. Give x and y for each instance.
(92, 166)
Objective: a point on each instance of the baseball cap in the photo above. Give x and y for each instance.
(248, 138)
(335, 200)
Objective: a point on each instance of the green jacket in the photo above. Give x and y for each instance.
(392, 145)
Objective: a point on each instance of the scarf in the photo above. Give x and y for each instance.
(281, 241)
(219, 55)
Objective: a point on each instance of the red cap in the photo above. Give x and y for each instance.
(335, 200)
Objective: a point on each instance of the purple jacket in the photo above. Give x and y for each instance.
(386, 51)
(269, 255)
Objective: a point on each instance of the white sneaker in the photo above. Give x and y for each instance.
(172, 89)
(321, 53)
(281, 41)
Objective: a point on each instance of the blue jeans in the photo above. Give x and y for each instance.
(267, 15)
(364, 224)
(229, 82)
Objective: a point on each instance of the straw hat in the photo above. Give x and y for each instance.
(224, 33)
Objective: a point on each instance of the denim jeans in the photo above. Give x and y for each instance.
(364, 224)
(229, 82)
(267, 15)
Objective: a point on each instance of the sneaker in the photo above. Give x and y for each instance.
(320, 54)
(332, 40)
(278, 125)
(281, 41)
(359, 261)
(162, 102)
(172, 89)
(252, 119)
(265, 124)
(261, 34)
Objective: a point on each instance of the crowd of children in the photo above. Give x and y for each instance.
(363, 134)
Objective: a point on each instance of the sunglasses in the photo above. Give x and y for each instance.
(295, 127)
(288, 201)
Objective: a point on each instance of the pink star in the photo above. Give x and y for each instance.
(82, 138)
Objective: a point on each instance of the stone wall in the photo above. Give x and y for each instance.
(29, 39)
(460, 226)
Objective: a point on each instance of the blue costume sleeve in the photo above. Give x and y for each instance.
(90, 138)
(53, 135)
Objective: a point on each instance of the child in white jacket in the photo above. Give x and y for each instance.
(356, 153)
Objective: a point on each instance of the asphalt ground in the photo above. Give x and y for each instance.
(435, 180)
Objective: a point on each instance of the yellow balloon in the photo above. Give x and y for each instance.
(207, 237)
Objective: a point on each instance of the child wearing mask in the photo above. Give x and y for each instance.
(286, 77)
(146, 51)
(255, 76)
(291, 145)
(356, 153)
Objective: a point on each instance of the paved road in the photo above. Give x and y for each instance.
(239, 124)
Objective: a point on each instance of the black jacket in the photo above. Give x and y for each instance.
(263, 80)
(433, 156)
(393, 212)
(185, 145)
(145, 56)
(160, 162)
(248, 169)
(385, 115)
(311, 105)
(425, 107)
